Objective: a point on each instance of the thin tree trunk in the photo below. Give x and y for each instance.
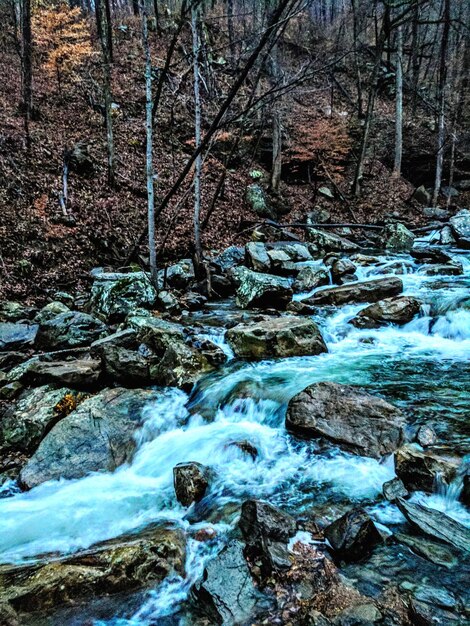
(149, 152)
(197, 134)
(356, 58)
(399, 104)
(27, 69)
(231, 34)
(442, 102)
(109, 29)
(102, 25)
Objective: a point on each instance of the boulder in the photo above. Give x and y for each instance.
(191, 481)
(329, 241)
(294, 251)
(226, 595)
(394, 489)
(398, 238)
(353, 536)
(75, 373)
(115, 294)
(448, 269)
(11, 311)
(433, 551)
(97, 436)
(367, 291)
(229, 258)
(426, 436)
(245, 447)
(418, 469)
(178, 276)
(399, 310)
(446, 236)
(257, 257)
(281, 263)
(359, 615)
(436, 524)
(69, 330)
(257, 290)
(258, 202)
(122, 358)
(276, 337)
(460, 224)
(318, 215)
(422, 196)
(125, 564)
(17, 336)
(427, 614)
(430, 254)
(168, 302)
(49, 311)
(309, 278)
(341, 268)
(354, 420)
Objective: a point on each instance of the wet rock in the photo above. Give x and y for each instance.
(359, 615)
(125, 564)
(398, 238)
(295, 252)
(465, 493)
(276, 337)
(25, 423)
(261, 290)
(209, 350)
(10, 390)
(97, 436)
(9, 360)
(281, 263)
(353, 536)
(310, 278)
(11, 311)
(431, 254)
(364, 260)
(418, 470)
(229, 258)
(299, 308)
(368, 291)
(191, 481)
(435, 213)
(349, 417)
(394, 489)
(17, 336)
(178, 276)
(426, 436)
(114, 295)
(329, 241)
(460, 224)
(168, 302)
(74, 373)
(122, 358)
(69, 330)
(449, 269)
(257, 257)
(436, 524)
(247, 448)
(446, 236)
(49, 311)
(424, 614)
(226, 594)
(399, 310)
(341, 268)
(431, 550)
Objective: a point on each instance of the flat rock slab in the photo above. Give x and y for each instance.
(77, 373)
(17, 336)
(276, 337)
(399, 310)
(367, 291)
(354, 420)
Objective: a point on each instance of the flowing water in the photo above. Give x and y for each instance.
(424, 367)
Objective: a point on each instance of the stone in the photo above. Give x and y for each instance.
(69, 330)
(422, 196)
(276, 337)
(258, 202)
(229, 258)
(353, 536)
(354, 420)
(294, 251)
(418, 470)
(116, 294)
(460, 224)
(424, 614)
(446, 236)
(436, 524)
(465, 493)
(399, 310)
(431, 254)
(74, 373)
(258, 290)
(99, 435)
(325, 191)
(191, 481)
(359, 615)
(398, 238)
(449, 269)
(11, 390)
(309, 278)
(24, 424)
(394, 489)
(427, 549)
(226, 595)
(168, 302)
(17, 336)
(257, 257)
(341, 268)
(49, 311)
(426, 436)
(318, 215)
(281, 263)
(127, 563)
(435, 213)
(123, 360)
(329, 241)
(245, 447)
(364, 260)
(178, 276)
(368, 291)
(11, 311)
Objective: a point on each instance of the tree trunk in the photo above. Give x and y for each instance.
(27, 69)
(399, 104)
(149, 152)
(442, 102)
(197, 134)
(356, 57)
(109, 29)
(231, 34)
(102, 27)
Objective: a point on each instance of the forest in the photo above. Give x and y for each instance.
(234, 312)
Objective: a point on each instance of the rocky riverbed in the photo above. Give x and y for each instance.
(292, 451)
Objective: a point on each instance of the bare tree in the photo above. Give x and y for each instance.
(27, 68)
(103, 32)
(399, 103)
(197, 135)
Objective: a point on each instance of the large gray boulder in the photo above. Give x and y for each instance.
(256, 256)
(178, 276)
(25, 423)
(418, 469)
(276, 337)
(353, 536)
(115, 294)
(75, 373)
(399, 310)
(258, 290)
(460, 225)
(330, 242)
(398, 238)
(97, 436)
(309, 278)
(69, 330)
(354, 420)
(17, 336)
(123, 360)
(367, 291)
